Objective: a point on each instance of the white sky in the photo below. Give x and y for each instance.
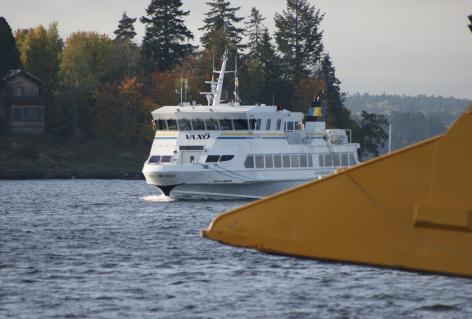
(402, 46)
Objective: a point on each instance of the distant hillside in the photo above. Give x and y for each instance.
(413, 118)
(446, 108)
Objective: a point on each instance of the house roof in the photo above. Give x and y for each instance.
(13, 73)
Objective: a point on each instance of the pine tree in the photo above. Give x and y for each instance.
(299, 37)
(125, 30)
(220, 29)
(337, 115)
(9, 56)
(165, 43)
(255, 30)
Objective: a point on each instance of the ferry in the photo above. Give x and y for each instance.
(227, 150)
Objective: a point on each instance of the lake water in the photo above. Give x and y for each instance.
(116, 249)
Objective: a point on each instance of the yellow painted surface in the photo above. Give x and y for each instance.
(411, 209)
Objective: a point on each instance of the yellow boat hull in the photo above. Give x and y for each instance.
(411, 209)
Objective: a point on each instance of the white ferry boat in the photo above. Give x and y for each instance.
(229, 150)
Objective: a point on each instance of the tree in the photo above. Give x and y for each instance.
(125, 30)
(9, 56)
(337, 116)
(165, 43)
(371, 134)
(41, 51)
(255, 30)
(220, 29)
(299, 37)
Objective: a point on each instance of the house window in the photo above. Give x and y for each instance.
(18, 91)
(28, 114)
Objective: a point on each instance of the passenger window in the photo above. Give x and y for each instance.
(198, 125)
(166, 159)
(344, 160)
(212, 125)
(258, 125)
(154, 159)
(240, 125)
(225, 158)
(286, 161)
(279, 123)
(269, 161)
(172, 125)
(298, 126)
(321, 159)
(295, 160)
(259, 161)
(226, 125)
(328, 160)
(277, 161)
(303, 160)
(212, 158)
(336, 160)
(352, 160)
(268, 125)
(184, 125)
(310, 161)
(249, 162)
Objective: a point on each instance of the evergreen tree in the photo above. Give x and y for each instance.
(255, 30)
(337, 115)
(9, 56)
(165, 43)
(371, 134)
(299, 37)
(125, 30)
(220, 29)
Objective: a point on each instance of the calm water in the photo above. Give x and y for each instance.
(115, 249)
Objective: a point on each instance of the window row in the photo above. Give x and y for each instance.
(225, 125)
(156, 159)
(279, 161)
(28, 114)
(298, 160)
(218, 158)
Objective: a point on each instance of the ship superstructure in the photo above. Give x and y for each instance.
(234, 151)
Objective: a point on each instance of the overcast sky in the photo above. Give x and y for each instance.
(402, 46)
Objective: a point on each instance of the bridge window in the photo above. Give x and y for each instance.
(286, 161)
(277, 161)
(225, 158)
(212, 125)
(161, 125)
(240, 125)
(289, 126)
(184, 125)
(344, 160)
(226, 125)
(259, 161)
(268, 125)
(212, 158)
(198, 125)
(249, 162)
(172, 125)
(269, 161)
(279, 124)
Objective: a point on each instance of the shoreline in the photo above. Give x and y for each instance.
(64, 174)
